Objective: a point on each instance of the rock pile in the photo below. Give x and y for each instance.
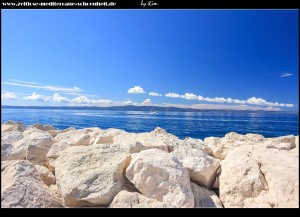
(45, 167)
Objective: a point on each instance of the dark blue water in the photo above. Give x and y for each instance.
(181, 124)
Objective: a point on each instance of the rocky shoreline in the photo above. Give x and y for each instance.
(91, 167)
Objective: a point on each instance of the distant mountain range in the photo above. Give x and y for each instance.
(128, 108)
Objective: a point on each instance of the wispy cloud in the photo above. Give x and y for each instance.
(154, 94)
(252, 100)
(9, 95)
(136, 90)
(35, 85)
(282, 75)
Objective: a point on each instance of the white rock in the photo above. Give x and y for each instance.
(202, 167)
(147, 140)
(11, 137)
(45, 174)
(169, 139)
(42, 127)
(222, 146)
(7, 148)
(284, 139)
(255, 176)
(125, 199)
(90, 175)
(159, 175)
(280, 146)
(22, 187)
(18, 150)
(196, 144)
(38, 145)
(74, 137)
(12, 126)
(205, 198)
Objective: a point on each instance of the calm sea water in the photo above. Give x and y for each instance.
(181, 124)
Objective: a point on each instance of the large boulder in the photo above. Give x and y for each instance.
(205, 198)
(42, 127)
(196, 144)
(90, 175)
(74, 137)
(169, 139)
(126, 199)
(256, 176)
(290, 139)
(66, 139)
(222, 146)
(159, 175)
(38, 145)
(12, 126)
(202, 167)
(45, 174)
(146, 140)
(33, 146)
(7, 148)
(22, 187)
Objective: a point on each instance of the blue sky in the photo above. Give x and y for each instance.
(235, 59)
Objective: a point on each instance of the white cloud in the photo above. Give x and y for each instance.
(256, 101)
(147, 101)
(9, 95)
(285, 75)
(173, 95)
(136, 90)
(44, 87)
(36, 97)
(60, 99)
(289, 105)
(86, 100)
(251, 100)
(127, 102)
(189, 96)
(154, 94)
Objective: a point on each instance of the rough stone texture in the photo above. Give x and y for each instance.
(222, 146)
(38, 145)
(7, 148)
(169, 139)
(196, 144)
(284, 139)
(202, 167)
(107, 136)
(125, 199)
(66, 139)
(12, 126)
(18, 148)
(11, 137)
(146, 140)
(280, 146)
(22, 187)
(45, 174)
(256, 176)
(205, 198)
(297, 141)
(159, 175)
(54, 153)
(43, 127)
(90, 175)
(74, 137)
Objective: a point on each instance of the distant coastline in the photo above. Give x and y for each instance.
(134, 108)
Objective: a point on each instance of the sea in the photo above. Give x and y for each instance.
(182, 124)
